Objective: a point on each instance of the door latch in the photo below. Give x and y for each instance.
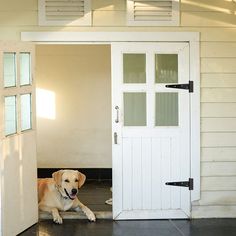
(115, 138)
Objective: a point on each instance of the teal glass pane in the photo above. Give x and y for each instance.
(134, 68)
(26, 111)
(166, 68)
(25, 78)
(166, 109)
(10, 115)
(9, 69)
(134, 109)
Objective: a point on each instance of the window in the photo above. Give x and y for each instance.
(64, 12)
(153, 12)
(17, 90)
(10, 115)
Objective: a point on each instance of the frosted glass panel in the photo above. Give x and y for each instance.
(10, 115)
(166, 109)
(134, 68)
(9, 69)
(166, 68)
(134, 109)
(25, 68)
(25, 111)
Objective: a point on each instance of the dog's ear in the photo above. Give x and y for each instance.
(81, 178)
(57, 176)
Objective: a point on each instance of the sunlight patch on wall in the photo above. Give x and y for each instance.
(45, 104)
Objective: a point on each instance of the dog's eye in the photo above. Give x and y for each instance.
(76, 180)
(67, 181)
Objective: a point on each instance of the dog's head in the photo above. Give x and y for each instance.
(69, 181)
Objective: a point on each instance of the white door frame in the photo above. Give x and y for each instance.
(110, 37)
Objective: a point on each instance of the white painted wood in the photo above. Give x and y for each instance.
(18, 156)
(218, 124)
(218, 169)
(58, 13)
(221, 80)
(218, 95)
(153, 13)
(216, 198)
(213, 154)
(138, 154)
(218, 109)
(214, 211)
(218, 139)
(99, 37)
(220, 183)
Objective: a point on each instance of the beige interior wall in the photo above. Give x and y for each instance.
(79, 77)
(216, 22)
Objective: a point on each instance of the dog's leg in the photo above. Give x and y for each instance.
(78, 206)
(54, 211)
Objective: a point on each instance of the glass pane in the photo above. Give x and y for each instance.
(134, 109)
(9, 69)
(166, 68)
(167, 109)
(25, 111)
(134, 68)
(10, 115)
(25, 68)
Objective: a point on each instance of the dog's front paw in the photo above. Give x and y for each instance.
(91, 216)
(57, 219)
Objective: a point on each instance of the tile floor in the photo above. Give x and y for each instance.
(94, 194)
(202, 227)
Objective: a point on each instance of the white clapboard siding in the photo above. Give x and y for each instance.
(212, 154)
(219, 183)
(218, 94)
(64, 12)
(227, 139)
(208, 6)
(153, 12)
(224, 211)
(218, 168)
(212, 198)
(218, 124)
(218, 109)
(221, 80)
(218, 65)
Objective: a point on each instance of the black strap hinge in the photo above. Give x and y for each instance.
(188, 184)
(188, 86)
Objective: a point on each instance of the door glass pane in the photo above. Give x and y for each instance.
(134, 68)
(25, 68)
(166, 109)
(166, 68)
(25, 111)
(134, 109)
(9, 69)
(10, 115)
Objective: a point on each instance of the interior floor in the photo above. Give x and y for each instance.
(95, 193)
(200, 227)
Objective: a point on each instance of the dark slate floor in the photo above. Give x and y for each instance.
(202, 227)
(94, 194)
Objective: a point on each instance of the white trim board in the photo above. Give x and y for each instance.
(111, 37)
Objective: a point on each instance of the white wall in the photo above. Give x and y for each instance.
(78, 77)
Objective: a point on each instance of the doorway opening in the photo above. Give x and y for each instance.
(73, 104)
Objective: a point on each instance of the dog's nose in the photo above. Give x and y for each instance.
(74, 191)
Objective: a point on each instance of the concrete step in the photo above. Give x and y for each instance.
(76, 215)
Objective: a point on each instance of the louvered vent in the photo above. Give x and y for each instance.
(153, 12)
(64, 12)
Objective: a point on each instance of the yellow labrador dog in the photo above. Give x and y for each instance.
(60, 194)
